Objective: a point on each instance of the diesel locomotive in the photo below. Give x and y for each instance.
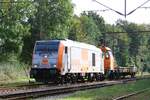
(67, 61)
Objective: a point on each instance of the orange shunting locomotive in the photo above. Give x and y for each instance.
(112, 70)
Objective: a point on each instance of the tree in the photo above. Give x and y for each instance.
(51, 20)
(118, 42)
(84, 29)
(138, 42)
(75, 29)
(13, 19)
(100, 23)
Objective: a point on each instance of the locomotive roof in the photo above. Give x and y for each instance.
(48, 40)
(107, 48)
(80, 45)
(73, 44)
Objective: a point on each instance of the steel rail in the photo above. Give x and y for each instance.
(59, 89)
(32, 93)
(131, 94)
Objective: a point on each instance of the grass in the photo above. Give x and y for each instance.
(142, 96)
(13, 72)
(107, 93)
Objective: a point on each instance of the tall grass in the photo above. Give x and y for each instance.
(13, 71)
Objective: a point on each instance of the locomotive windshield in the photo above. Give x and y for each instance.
(45, 54)
(50, 48)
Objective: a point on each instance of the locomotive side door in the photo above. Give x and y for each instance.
(67, 57)
(68, 60)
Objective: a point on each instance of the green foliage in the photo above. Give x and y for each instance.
(100, 25)
(85, 29)
(27, 49)
(52, 19)
(119, 43)
(13, 25)
(137, 42)
(121, 52)
(90, 30)
(75, 29)
(99, 21)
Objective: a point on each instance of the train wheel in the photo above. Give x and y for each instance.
(97, 76)
(37, 80)
(132, 75)
(90, 77)
(45, 81)
(102, 77)
(82, 79)
(110, 75)
(94, 77)
(62, 80)
(58, 79)
(74, 78)
(68, 78)
(117, 76)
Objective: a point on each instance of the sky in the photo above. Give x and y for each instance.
(140, 16)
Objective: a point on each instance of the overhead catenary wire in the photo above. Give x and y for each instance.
(102, 10)
(145, 7)
(138, 7)
(109, 7)
(120, 13)
(142, 31)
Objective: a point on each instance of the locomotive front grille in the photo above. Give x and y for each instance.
(41, 74)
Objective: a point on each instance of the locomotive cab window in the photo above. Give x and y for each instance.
(93, 59)
(49, 48)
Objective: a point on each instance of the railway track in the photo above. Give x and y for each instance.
(7, 90)
(131, 94)
(53, 90)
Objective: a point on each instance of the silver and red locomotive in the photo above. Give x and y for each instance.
(65, 61)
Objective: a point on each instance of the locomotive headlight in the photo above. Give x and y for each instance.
(45, 56)
(35, 66)
(54, 65)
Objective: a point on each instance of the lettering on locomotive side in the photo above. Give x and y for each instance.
(84, 54)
